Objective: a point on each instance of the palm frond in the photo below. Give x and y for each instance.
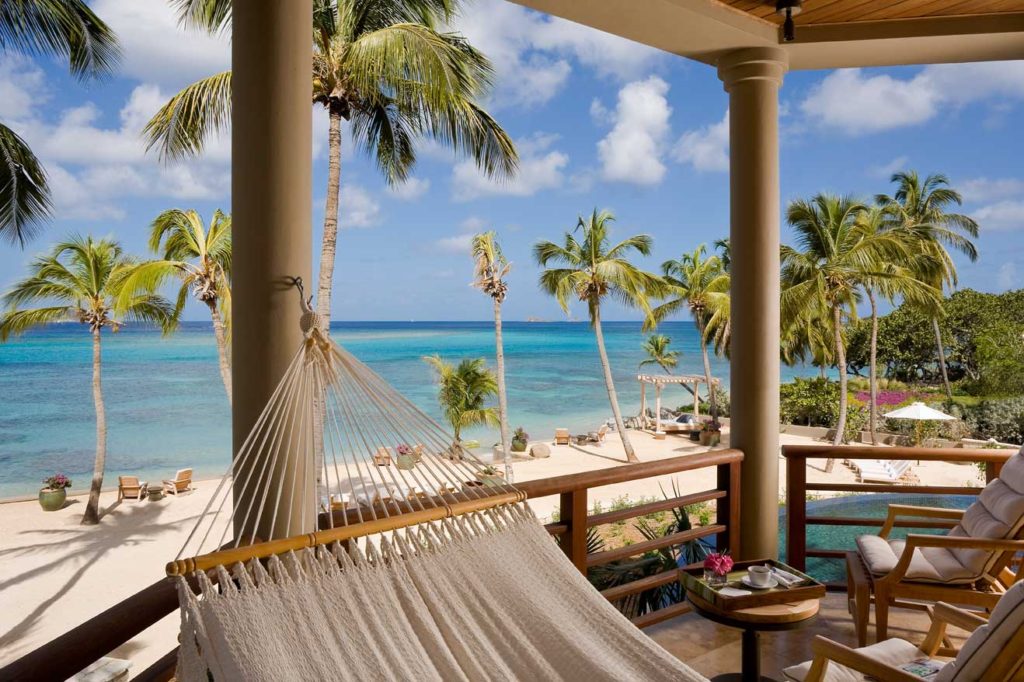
(24, 192)
(17, 322)
(64, 28)
(181, 127)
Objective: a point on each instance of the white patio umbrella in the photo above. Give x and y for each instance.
(918, 412)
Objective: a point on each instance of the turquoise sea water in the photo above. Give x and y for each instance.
(166, 407)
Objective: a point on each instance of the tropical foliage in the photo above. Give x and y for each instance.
(489, 270)
(591, 268)
(384, 66)
(82, 280)
(656, 348)
(199, 257)
(462, 394)
(67, 29)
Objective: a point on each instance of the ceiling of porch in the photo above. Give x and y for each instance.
(847, 11)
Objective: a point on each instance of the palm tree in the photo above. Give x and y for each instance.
(80, 280)
(592, 269)
(823, 277)
(901, 281)
(658, 353)
(59, 28)
(489, 270)
(724, 248)
(382, 65)
(200, 257)
(463, 390)
(921, 208)
(697, 283)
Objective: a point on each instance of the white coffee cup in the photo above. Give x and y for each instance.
(760, 576)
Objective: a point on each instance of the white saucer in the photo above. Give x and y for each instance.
(772, 582)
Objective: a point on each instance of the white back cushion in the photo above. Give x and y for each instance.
(998, 514)
(987, 641)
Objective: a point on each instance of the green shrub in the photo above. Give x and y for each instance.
(722, 398)
(1000, 419)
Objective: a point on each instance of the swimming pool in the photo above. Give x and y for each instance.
(872, 505)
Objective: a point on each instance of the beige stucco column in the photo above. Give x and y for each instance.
(752, 78)
(271, 198)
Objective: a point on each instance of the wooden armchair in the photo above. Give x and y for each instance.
(967, 566)
(994, 652)
(562, 436)
(129, 487)
(181, 482)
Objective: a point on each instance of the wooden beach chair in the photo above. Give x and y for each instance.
(181, 482)
(966, 566)
(562, 436)
(993, 653)
(602, 432)
(129, 487)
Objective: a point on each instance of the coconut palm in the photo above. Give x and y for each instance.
(591, 269)
(463, 391)
(489, 269)
(823, 276)
(67, 29)
(200, 257)
(80, 280)
(656, 346)
(382, 65)
(901, 281)
(699, 284)
(921, 208)
(810, 339)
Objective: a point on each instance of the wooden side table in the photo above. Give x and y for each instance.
(753, 621)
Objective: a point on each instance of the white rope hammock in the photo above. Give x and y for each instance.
(426, 565)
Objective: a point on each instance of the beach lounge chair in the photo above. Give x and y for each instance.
(966, 566)
(181, 482)
(880, 471)
(129, 487)
(993, 653)
(562, 436)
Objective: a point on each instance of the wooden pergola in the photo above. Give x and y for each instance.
(691, 382)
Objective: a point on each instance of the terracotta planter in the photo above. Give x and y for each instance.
(52, 500)
(710, 437)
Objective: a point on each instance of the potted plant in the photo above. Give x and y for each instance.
(711, 434)
(54, 492)
(490, 476)
(716, 568)
(406, 457)
(520, 439)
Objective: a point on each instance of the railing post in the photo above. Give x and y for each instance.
(727, 509)
(796, 511)
(573, 513)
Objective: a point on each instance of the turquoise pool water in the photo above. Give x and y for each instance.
(873, 505)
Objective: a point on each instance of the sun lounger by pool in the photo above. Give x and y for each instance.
(879, 470)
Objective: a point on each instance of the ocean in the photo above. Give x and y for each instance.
(166, 407)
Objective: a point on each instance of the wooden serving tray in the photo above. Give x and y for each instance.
(692, 577)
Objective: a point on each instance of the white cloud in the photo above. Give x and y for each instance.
(531, 51)
(1007, 278)
(357, 208)
(22, 86)
(854, 102)
(459, 243)
(157, 49)
(411, 189)
(706, 148)
(1001, 216)
(632, 151)
(984, 189)
(473, 224)
(886, 170)
(539, 168)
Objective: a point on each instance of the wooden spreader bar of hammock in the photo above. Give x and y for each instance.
(262, 550)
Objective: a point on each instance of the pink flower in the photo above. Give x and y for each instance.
(719, 563)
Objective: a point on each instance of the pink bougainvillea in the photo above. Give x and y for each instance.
(720, 563)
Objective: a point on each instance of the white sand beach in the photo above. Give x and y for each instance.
(55, 573)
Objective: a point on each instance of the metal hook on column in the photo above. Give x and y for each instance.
(305, 301)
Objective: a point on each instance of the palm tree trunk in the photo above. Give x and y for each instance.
(873, 370)
(92, 509)
(499, 353)
(610, 385)
(329, 242)
(222, 346)
(942, 358)
(837, 327)
(712, 400)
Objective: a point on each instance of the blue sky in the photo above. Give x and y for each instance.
(600, 122)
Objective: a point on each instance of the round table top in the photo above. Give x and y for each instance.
(770, 617)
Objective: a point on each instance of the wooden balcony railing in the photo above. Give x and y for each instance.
(797, 488)
(71, 652)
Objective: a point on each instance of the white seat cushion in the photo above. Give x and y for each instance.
(980, 649)
(891, 651)
(929, 564)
